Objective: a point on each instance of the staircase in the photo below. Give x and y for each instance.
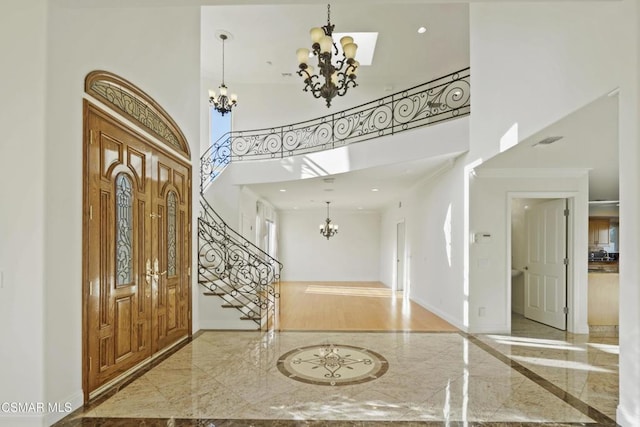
(235, 270)
(245, 277)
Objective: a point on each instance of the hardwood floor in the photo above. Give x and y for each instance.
(352, 306)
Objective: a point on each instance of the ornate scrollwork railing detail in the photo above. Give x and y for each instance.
(436, 101)
(213, 162)
(230, 264)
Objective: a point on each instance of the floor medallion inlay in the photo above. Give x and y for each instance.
(332, 364)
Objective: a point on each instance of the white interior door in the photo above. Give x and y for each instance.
(545, 276)
(400, 258)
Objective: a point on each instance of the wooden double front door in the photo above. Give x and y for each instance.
(137, 249)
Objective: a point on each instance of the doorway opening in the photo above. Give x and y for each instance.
(540, 252)
(400, 257)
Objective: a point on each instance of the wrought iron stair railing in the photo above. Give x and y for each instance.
(242, 274)
(231, 267)
(438, 100)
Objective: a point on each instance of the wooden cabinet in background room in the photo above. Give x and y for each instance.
(598, 231)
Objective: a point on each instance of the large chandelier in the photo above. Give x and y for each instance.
(328, 229)
(222, 103)
(337, 78)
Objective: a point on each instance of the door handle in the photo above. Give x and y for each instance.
(149, 273)
(156, 267)
(153, 274)
(526, 268)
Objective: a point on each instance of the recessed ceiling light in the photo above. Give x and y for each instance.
(422, 30)
(283, 190)
(375, 189)
(359, 208)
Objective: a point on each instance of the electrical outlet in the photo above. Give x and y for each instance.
(481, 311)
(1, 279)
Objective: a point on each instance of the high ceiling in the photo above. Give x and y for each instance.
(262, 51)
(264, 40)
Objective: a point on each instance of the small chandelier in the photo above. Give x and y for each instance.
(222, 103)
(327, 229)
(337, 78)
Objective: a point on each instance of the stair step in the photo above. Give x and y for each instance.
(232, 306)
(255, 319)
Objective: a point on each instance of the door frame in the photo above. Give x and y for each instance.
(576, 289)
(401, 286)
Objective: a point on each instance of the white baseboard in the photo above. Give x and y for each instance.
(455, 322)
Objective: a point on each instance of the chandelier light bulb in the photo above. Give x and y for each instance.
(316, 34)
(346, 40)
(326, 43)
(303, 55)
(350, 50)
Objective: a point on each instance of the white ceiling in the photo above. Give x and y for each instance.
(265, 39)
(263, 45)
(351, 190)
(589, 141)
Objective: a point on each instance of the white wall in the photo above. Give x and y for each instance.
(431, 210)
(22, 210)
(351, 255)
(532, 64)
(157, 49)
(490, 262)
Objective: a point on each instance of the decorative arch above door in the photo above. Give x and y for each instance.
(133, 103)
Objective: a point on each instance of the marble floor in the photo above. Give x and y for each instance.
(536, 375)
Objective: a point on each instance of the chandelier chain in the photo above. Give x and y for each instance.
(223, 37)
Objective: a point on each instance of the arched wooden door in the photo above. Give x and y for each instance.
(137, 257)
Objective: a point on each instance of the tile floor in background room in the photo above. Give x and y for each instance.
(536, 375)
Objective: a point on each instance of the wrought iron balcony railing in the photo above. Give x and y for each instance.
(439, 100)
